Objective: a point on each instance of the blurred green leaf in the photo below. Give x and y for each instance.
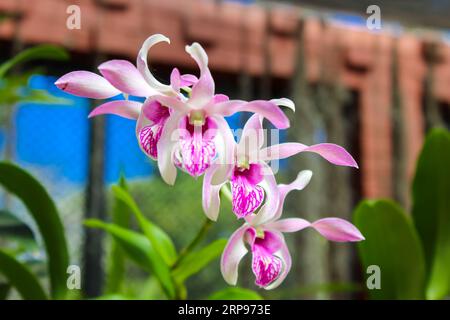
(235, 293)
(4, 290)
(38, 202)
(158, 238)
(140, 250)
(45, 51)
(392, 244)
(197, 260)
(116, 260)
(431, 210)
(21, 278)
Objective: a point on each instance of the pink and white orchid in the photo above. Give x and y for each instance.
(181, 124)
(263, 234)
(250, 176)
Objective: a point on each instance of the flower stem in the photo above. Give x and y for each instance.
(199, 237)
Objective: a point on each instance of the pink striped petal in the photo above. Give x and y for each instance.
(266, 109)
(124, 108)
(203, 91)
(86, 84)
(124, 76)
(269, 209)
(247, 195)
(333, 153)
(232, 255)
(336, 229)
(285, 257)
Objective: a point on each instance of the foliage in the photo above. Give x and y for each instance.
(44, 212)
(413, 254)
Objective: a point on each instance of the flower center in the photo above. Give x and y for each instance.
(197, 118)
(243, 163)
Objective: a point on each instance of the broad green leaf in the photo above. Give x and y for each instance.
(159, 239)
(197, 260)
(431, 210)
(393, 245)
(4, 290)
(140, 250)
(235, 293)
(45, 51)
(116, 260)
(20, 277)
(41, 207)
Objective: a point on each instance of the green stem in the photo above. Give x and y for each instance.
(199, 237)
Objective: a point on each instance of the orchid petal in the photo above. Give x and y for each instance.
(252, 137)
(203, 90)
(123, 75)
(142, 64)
(166, 148)
(211, 195)
(266, 109)
(269, 208)
(226, 152)
(331, 152)
(188, 80)
(124, 108)
(286, 259)
(86, 84)
(175, 80)
(289, 225)
(172, 103)
(336, 229)
(232, 255)
(285, 102)
(220, 98)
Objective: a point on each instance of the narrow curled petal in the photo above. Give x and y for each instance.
(289, 225)
(165, 148)
(202, 91)
(336, 229)
(285, 102)
(142, 65)
(232, 255)
(123, 75)
(332, 152)
(123, 108)
(86, 84)
(211, 195)
(188, 80)
(266, 109)
(302, 180)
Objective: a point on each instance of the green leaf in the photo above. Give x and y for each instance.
(116, 261)
(4, 290)
(197, 260)
(45, 51)
(38, 202)
(431, 210)
(21, 278)
(140, 250)
(235, 293)
(159, 239)
(393, 245)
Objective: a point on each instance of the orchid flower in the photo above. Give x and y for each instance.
(263, 234)
(250, 176)
(179, 130)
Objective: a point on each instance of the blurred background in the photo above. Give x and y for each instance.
(375, 91)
